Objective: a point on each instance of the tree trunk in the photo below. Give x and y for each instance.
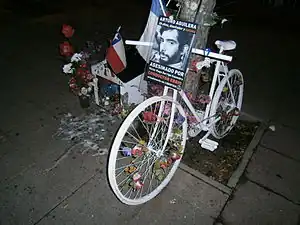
(192, 11)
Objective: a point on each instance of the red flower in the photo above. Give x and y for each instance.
(66, 49)
(84, 74)
(72, 83)
(163, 165)
(83, 65)
(81, 73)
(175, 156)
(149, 117)
(137, 151)
(73, 86)
(89, 76)
(67, 30)
(193, 65)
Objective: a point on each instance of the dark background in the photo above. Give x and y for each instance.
(267, 39)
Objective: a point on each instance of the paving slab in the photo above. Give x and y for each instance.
(171, 209)
(28, 127)
(285, 140)
(40, 146)
(30, 194)
(275, 172)
(253, 205)
(187, 200)
(93, 203)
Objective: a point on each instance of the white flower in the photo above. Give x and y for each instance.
(84, 91)
(76, 57)
(68, 68)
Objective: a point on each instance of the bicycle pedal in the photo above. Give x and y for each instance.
(209, 144)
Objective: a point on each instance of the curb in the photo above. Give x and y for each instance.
(233, 180)
(205, 178)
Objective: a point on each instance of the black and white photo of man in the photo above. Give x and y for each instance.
(172, 47)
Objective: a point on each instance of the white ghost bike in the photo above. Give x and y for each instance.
(149, 144)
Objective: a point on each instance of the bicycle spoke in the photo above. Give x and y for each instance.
(136, 132)
(231, 93)
(123, 167)
(147, 167)
(152, 176)
(144, 126)
(122, 158)
(130, 164)
(129, 191)
(157, 133)
(148, 170)
(160, 139)
(129, 142)
(131, 175)
(137, 140)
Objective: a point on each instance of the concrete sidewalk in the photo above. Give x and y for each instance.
(77, 192)
(268, 193)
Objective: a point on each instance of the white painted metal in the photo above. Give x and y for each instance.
(225, 45)
(162, 7)
(96, 90)
(212, 90)
(160, 111)
(142, 43)
(212, 55)
(173, 111)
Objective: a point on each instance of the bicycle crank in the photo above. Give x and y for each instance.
(195, 130)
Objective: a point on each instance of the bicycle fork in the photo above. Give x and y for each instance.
(172, 115)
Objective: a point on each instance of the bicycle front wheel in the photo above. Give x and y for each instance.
(147, 150)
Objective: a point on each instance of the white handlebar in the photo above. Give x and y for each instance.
(212, 55)
(194, 50)
(143, 43)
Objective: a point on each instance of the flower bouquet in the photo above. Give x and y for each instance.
(78, 66)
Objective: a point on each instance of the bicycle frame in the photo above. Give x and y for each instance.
(204, 121)
(220, 66)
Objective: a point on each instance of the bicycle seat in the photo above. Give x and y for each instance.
(226, 45)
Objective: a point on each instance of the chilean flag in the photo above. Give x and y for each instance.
(115, 54)
(158, 8)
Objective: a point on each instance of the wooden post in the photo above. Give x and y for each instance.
(199, 12)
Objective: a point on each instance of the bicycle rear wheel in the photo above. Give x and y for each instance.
(143, 157)
(227, 103)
